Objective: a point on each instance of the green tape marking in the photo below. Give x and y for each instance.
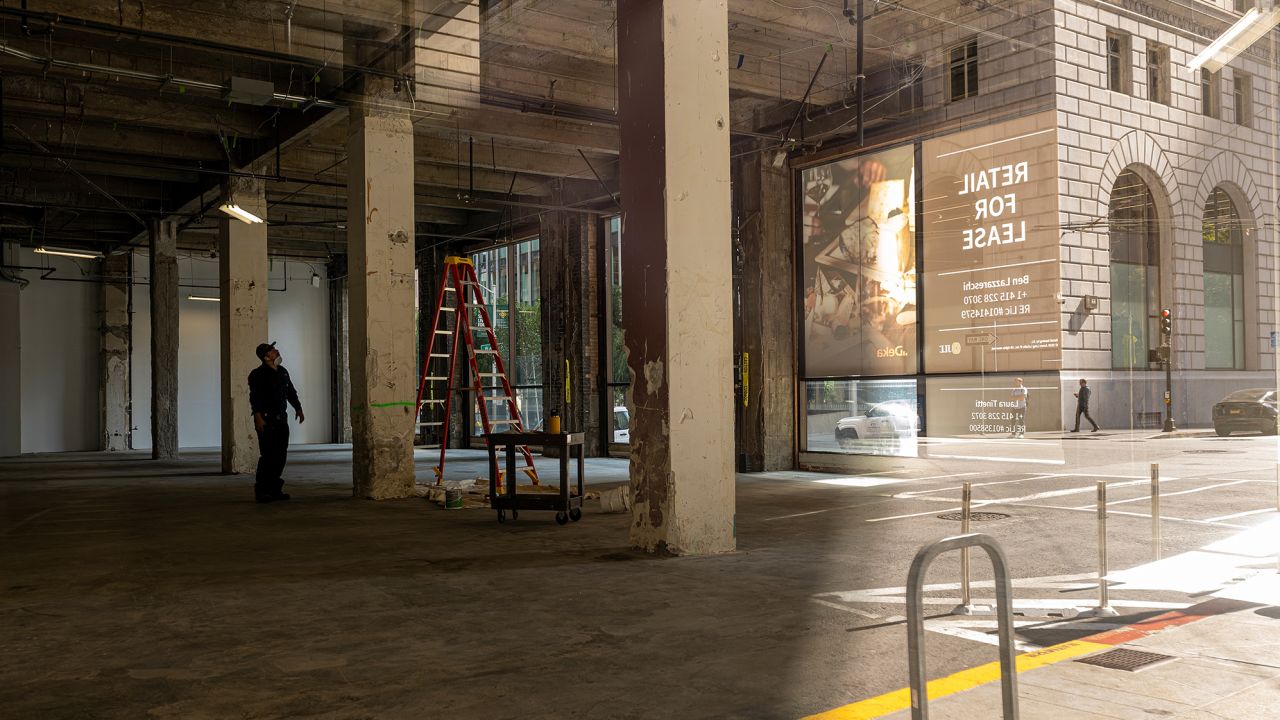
(384, 405)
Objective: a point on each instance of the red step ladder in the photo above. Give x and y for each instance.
(461, 299)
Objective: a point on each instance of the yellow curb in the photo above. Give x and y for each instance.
(892, 702)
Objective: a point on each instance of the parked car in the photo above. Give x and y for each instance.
(889, 419)
(1251, 410)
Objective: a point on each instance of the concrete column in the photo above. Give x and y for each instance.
(116, 328)
(570, 322)
(340, 369)
(380, 258)
(673, 96)
(164, 339)
(766, 431)
(242, 281)
(10, 366)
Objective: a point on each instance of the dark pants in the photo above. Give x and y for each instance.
(273, 447)
(1084, 410)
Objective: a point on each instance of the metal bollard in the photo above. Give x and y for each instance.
(1155, 509)
(966, 598)
(966, 606)
(1104, 608)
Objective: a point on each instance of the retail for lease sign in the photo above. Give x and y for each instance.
(991, 248)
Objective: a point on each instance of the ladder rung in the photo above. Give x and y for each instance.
(435, 377)
(486, 352)
(427, 447)
(449, 288)
(430, 424)
(444, 332)
(433, 402)
(444, 308)
(496, 398)
(485, 375)
(504, 422)
(443, 355)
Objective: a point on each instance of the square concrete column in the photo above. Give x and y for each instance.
(164, 339)
(380, 234)
(767, 280)
(571, 347)
(673, 97)
(115, 329)
(242, 281)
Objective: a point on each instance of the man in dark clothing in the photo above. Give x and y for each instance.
(1082, 405)
(269, 389)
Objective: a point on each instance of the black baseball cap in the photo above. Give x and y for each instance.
(263, 349)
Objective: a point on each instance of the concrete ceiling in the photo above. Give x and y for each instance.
(114, 112)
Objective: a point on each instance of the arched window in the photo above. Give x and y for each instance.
(1223, 283)
(1135, 277)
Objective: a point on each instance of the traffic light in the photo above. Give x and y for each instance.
(1166, 322)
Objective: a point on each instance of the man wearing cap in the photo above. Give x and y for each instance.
(269, 389)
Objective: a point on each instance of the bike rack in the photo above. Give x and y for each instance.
(1004, 613)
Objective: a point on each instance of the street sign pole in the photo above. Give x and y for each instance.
(1166, 332)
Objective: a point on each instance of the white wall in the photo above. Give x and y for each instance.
(10, 367)
(298, 319)
(59, 355)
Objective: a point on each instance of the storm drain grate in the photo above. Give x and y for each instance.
(1126, 659)
(973, 516)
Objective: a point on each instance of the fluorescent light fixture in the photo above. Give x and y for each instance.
(86, 254)
(1245, 32)
(205, 298)
(239, 213)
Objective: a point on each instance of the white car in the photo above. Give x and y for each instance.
(621, 424)
(890, 419)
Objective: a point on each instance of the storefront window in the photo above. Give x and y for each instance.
(619, 373)
(863, 417)
(510, 284)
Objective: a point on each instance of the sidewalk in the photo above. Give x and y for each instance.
(1223, 663)
(1219, 658)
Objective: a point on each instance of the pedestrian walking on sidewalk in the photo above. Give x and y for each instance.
(1020, 394)
(269, 390)
(1082, 405)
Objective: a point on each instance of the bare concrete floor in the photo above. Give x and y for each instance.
(131, 589)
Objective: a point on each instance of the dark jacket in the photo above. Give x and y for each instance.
(269, 390)
(1082, 397)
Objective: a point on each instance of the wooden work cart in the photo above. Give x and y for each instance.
(566, 505)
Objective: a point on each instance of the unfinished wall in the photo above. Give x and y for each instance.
(59, 350)
(298, 319)
(10, 364)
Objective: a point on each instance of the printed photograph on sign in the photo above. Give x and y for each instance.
(858, 234)
(991, 239)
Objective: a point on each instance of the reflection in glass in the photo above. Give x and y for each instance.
(860, 266)
(1223, 283)
(865, 417)
(1135, 280)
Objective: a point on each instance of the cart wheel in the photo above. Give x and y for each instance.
(562, 519)
(502, 516)
(515, 514)
(575, 514)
